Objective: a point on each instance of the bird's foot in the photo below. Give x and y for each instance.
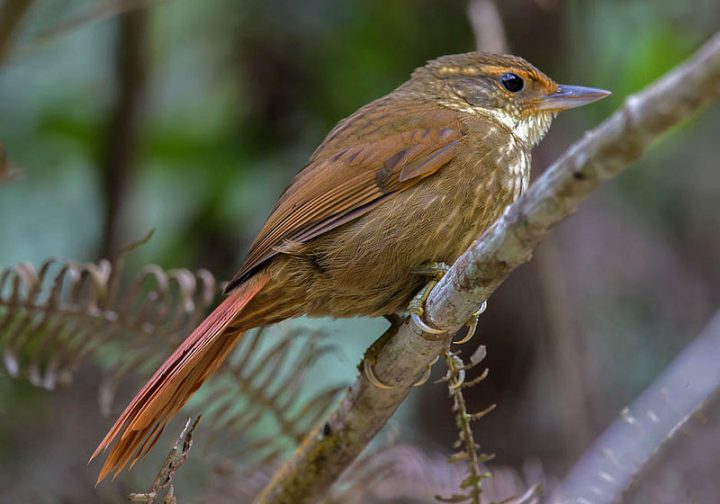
(369, 361)
(436, 270)
(472, 324)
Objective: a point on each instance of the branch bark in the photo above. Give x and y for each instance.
(403, 353)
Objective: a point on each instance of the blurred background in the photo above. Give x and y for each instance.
(190, 118)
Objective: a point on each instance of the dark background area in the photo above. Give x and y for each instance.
(191, 117)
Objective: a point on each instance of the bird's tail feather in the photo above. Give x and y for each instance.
(176, 380)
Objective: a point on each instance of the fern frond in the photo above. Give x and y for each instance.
(55, 317)
(263, 384)
(63, 314)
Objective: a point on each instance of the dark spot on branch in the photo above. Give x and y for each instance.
(327, 430)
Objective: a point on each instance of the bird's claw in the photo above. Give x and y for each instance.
(423, 326)
(377, 382)
(372, 378)
(417, 310)
(426, 375)
(472, 324)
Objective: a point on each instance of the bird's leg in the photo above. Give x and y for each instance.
(417, 305)
(395, 319)
(369, 360)
(471, 326)
(433, 269)
(436, 270)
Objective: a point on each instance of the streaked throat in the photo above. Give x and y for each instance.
(529, 129)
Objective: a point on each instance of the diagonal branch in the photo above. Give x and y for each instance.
(646, 430)
(401, 354)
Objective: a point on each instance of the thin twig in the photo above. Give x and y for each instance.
(173, 462)
(629, 446)
(402, 354)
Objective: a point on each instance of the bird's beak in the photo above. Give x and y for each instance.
(567, 97)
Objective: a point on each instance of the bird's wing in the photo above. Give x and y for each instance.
(341, 184)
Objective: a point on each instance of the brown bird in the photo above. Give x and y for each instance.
(408, 180)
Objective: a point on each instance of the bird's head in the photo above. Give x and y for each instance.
(505, 87)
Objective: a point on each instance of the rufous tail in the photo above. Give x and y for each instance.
(176, 380)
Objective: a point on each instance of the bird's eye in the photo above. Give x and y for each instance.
(512, 82)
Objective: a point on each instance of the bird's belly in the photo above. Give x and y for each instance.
(368, 267)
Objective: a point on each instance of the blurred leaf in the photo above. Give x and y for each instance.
(259, 396)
